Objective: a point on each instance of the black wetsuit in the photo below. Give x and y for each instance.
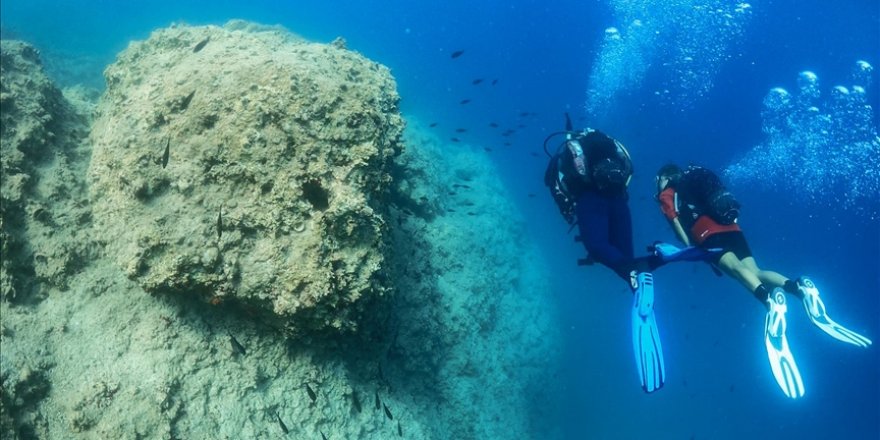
(605, 226)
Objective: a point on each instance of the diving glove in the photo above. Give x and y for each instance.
(646, 337)
(816, 311)
(782, 363)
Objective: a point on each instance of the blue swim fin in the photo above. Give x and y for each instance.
(670, 253)
(646, 337)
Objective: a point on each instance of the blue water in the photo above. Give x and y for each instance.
(719, 384)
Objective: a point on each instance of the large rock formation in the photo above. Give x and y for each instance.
(40, 196)
(248, 166)
(44, 220)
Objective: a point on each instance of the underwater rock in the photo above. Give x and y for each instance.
(250, 172)
(41, 193)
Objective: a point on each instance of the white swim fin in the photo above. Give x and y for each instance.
(816, 311)
(782, 363)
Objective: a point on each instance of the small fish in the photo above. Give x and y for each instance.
(452, 193)
(488, 150)
(534, 154)
(521, 126)
(377, 400)
(472, 213)
(464, 101)
(283, 426)
(201, 44)
(433, 124)
(493, 125)
(186, 100)
(355, 401)
(461, 185)
(220, 224)
(236, 346)
(311, 393)
(507, 144)
(461, 130)
(323, 437)
(167, 153)
(468, 203)
(457, 54)
(495, 81)
(531, 195)
(388, 412)
(450, 210)
(477, 81)
(399, 429)
(524, 114)
(455, 139)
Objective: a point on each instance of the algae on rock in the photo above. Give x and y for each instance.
(251, 170)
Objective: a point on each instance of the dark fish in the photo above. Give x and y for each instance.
(488, 150)
(495, 81)
(461, 185)
(311, 393)
(534, 154)
(186, 100)
(167, 153)
(399, 429)
(493, 125)
(450, 210)
(220, 224)
(451, 193)
(472, 213)
(524, 114)
(507, 144)
(468, 203)
(377, 400)
(201, 44)
(531, 195)
(355, 401)
(477, 81)
(283, 426)
(388, 412)
(461, 130)
(433, 124)
(324, 437)
(457, 53)
(464, 101)
(455, 139)
(236, 346)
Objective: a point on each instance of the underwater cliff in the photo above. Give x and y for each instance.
(243, 239)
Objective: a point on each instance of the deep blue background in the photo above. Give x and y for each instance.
(719, 385)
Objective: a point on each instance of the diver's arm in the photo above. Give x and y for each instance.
(679, 231)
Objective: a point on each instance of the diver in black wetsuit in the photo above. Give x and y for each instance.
(588, 177)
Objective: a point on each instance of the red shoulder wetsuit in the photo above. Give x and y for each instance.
(703, 227)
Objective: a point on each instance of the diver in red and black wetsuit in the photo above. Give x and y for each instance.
(702, 213)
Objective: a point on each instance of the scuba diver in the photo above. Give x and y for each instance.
(703, 213)
(588, 178)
